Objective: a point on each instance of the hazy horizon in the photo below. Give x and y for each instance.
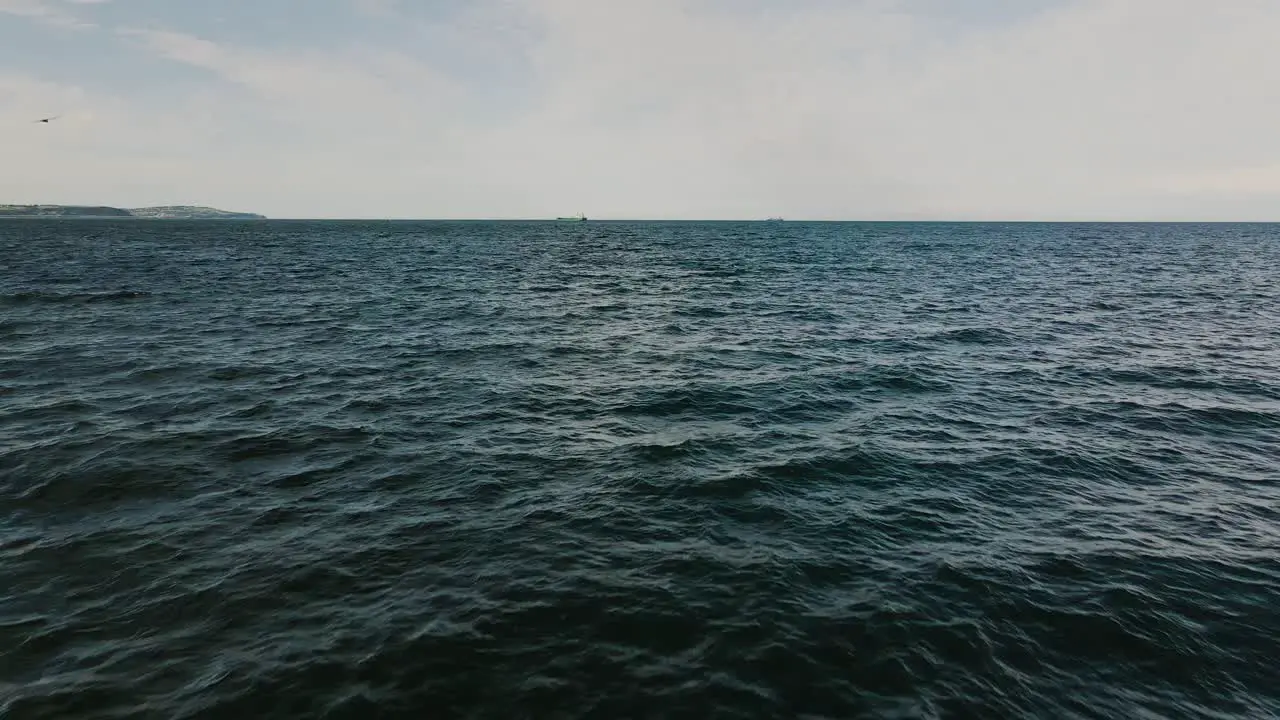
(879, 110)
(554, 220)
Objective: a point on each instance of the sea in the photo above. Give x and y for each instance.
(367, 470)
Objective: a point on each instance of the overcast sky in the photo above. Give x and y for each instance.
(824, 109)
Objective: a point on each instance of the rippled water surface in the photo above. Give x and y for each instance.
(611, 470)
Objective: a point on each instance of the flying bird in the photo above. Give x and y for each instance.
(46, 120)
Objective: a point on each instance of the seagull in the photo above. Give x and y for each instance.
(46, 120)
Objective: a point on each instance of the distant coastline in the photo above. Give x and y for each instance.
(160, 212)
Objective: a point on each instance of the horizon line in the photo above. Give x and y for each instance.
(552, 220)
(768, 221)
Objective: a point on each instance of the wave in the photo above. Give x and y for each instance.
(639, 470)
(36, 297)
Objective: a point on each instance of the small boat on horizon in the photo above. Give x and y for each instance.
(581, 218)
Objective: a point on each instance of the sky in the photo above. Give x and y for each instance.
(677, 109)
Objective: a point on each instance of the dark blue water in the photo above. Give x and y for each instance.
(611, 470)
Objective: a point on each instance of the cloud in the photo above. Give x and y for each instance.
(1088, 104)
(101, 150)
(865, 110)
(1241, 181)
(377, 8)
(47, 12)
(701, 108)
(333, 78)
(333, 127)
